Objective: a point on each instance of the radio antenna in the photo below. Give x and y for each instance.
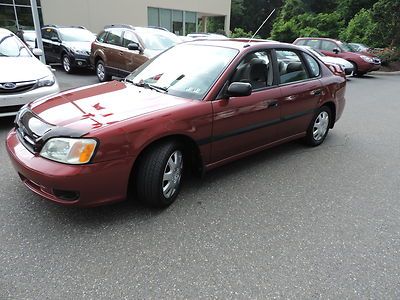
(259, 28)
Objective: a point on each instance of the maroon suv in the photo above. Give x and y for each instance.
(195, 107)
(362, 62)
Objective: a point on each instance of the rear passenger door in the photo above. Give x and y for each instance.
(301, 90)
(114, 51)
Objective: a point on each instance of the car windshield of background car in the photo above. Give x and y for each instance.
(12, 47)
(158, 40)
(186, 71)
(76, 35)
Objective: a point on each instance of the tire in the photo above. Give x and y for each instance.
(66, 63)
(101, 72)
(355, 68)
(319, 127)
(159, 175)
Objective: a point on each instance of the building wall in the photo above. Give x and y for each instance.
(94, 14)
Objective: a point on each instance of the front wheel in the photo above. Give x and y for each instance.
(101, 72)
(159, 174)
(319, 127)
(66, 63)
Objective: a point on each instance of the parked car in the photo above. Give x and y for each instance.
(28, 37)
(206, 35)
(346, 66)
(95, 145)
(68, 45)
(357, 47)
(23, 77)
(362, 62)
(120, 49)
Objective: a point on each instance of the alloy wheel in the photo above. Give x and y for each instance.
(321, 125)
(172, 174)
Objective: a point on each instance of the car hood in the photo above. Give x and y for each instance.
(86, 46)
(337, 60)
(94, 107)
(21, 69)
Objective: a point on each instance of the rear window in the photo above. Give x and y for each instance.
(301, 42)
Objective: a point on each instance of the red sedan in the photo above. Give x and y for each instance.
(197, 106)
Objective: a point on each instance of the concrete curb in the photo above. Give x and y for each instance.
(385, 73)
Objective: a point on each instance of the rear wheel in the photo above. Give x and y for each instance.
(159, 174)
(319, 127)
(101, 72)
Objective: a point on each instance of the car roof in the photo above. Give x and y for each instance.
(5, 31)
(241, 44)
(317, 38)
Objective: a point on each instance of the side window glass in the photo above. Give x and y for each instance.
(129, 38)
(53, 34)
(313, 64)
(328, 46)
(115, 37)
(313, 44)
(291, 67)
(301, 42)
(101, 37)
(256, 69)
(46, 33)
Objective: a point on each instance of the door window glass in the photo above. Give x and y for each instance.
(115, 37)
(313, 44)
(328, 46)
(291, 67)
(313, 64)
(256, 69)
(129, 38)
(102, 37)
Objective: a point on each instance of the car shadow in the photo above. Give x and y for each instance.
(79, 71)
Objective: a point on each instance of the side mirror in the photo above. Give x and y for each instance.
(239, 89)
(336, 50)
(135, 47)
(37, 52)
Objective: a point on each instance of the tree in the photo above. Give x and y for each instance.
(360, 29)
(386, 14)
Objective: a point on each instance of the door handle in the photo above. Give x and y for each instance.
(121, 53)
(290, 98)
(273, 103)
(316, 92)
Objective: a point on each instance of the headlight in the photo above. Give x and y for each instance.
(69, 151)
(79, 51)
(367, 59)
(46, 81)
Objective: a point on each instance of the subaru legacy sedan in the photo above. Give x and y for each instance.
(195, 107)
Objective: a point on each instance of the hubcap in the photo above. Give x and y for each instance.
(100, 71)
(66, 64)
(321, 125)
(172, 174)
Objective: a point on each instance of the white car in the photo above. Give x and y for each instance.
(347, 66)
(23, 78)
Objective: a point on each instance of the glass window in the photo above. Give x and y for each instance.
(176, 72)
(5, 2)
(190, 22)
(155, 39)
(153, 16)
(177, 22)
(328, 46)
(313, 64)
(25, 19)
(291, 68)
(12, 47)
(7, 18)
(129, 38)
(165, 18)
(115, 37)
(101, 37)
(255, 69)
(301, 42)
(313, 44)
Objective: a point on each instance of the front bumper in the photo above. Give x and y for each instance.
(366, 67)
(81, 61)
(70, 185)
(11, 103)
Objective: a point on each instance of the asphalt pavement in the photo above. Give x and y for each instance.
(290, 222)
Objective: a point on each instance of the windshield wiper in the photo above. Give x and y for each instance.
(148, 86)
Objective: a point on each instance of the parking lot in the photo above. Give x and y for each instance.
(290, 222)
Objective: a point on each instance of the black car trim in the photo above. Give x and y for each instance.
(257, 126)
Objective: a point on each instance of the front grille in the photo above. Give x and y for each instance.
(10, 109)
(16, 87)
(376, 60)
(30, 130)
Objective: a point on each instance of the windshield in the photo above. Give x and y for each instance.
(316, 52)
(346, 47)
(10, 46)
(156, 39)
(186, 71)
(76, 35)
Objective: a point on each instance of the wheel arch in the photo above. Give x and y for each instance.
(332, 107)
(191, 151)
